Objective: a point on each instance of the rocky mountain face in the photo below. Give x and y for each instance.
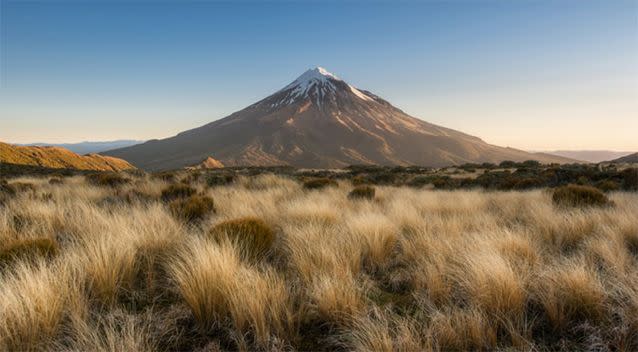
(320, 121)
(59, 158)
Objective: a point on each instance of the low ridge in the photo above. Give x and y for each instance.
(59, 158)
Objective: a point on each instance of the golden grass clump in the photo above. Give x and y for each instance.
(579, 196)
(217, 286)
(570, 294)
(31, 248)
(252, 236)
(32, 304)
(192, 209)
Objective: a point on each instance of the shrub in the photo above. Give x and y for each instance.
(507, 164)
(362, 192)
(359, 180)
(23, 187)
(422, 180)
(108, 179)
(192, 209)
(55, 181)
(219, 179)
(164, 176)
(177, 191)
(607, 185)
(253, 236)
(28, 248)
(575, 195)
(319, 183)
(630, 179)
(6, 188)
(530, 164)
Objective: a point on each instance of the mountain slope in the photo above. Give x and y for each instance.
(592, 156)
(320, 121)
(59, 158)
(89, 147)
(631, 158)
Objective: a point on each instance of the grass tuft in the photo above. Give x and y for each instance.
(362, 192)
(28, 249)
(252, 235)
(319, 183)
(176, 191)
(579, 196)
(192, 209)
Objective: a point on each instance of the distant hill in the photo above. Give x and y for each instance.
(631, 158)
(89, 147)
(59, 158)
(592, 156)
(320, 121)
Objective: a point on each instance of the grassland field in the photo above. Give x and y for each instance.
(191, 261)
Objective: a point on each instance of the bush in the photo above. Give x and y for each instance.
(362, 192)
(319, 183)
(28, 248)
(630, 179)
(507, 164)
(23, 187)
(55, 181)
(575, 196)
(253, 236)
(6, 188)
(219, 179)
(108, 179)
(607, 185)
(173, 192)
(164, 176)
(192, 209)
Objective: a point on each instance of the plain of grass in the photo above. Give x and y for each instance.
(406, 270)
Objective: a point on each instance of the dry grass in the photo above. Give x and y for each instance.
(277, 268)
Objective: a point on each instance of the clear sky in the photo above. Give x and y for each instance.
(534, 75)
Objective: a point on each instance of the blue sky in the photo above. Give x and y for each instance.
(528, 74)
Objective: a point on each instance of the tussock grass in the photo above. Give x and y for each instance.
(193, 208)
(362, 192)
(252, 236)
(579, 196)
(177, 191)
(274, 267)
(27, 249)
(319, 183)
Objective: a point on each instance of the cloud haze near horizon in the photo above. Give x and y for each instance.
(533, 75)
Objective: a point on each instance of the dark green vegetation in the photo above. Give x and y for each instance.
(362, 192)
(579, 196)
(193, 208)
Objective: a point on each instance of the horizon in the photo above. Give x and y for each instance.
(503, 72)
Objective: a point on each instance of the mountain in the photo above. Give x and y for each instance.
(592, 156)
(320, 121)
(89, 147)
(59, 158)
(631, 158)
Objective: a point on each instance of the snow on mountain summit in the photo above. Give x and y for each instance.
(318, 81)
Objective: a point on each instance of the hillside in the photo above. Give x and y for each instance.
(631, 158)
(59, 158)
(320, 121)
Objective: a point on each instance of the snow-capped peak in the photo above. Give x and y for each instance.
(315, 75)
(318, 79)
